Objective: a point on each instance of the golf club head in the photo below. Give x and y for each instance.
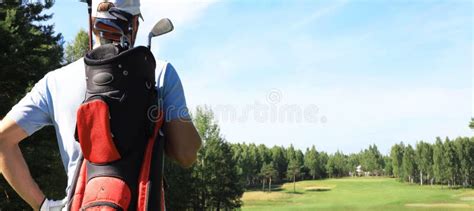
(162, 27)
(109, 29)
(108, 26)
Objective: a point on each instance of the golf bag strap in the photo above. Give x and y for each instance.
(144, 179)
(144, 185)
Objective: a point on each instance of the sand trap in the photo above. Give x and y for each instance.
(262, 196)
(439, 205)
(467, 198)
(318, 188)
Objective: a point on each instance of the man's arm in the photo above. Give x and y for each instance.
(13, 165)
(182, 141)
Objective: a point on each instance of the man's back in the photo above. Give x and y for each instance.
(54, 100)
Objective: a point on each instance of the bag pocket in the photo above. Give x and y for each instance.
(94, 134)
(106, 194)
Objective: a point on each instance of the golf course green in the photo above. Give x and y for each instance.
(366, 193)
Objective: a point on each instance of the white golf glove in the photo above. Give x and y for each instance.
(50, 205)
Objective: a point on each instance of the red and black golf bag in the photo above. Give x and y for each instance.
(118, 129)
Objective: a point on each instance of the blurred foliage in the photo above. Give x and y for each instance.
(28, 50)
(78, 48)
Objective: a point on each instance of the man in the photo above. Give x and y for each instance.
(55, 99)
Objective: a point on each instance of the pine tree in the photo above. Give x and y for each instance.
(181, 189)
(311, 161)
(223, 184)
(268, 173)
(278, 158)
(254, 158)
(29, 48)
(215, 172)
(294, 169)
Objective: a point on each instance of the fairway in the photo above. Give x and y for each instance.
(375, 193)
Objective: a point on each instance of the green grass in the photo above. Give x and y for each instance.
(373, 193)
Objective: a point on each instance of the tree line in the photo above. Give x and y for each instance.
(447, 163)
(224, 170)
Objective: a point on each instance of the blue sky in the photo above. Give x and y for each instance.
(334, 74)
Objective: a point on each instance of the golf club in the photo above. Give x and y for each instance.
(162, 27)
(111, 29)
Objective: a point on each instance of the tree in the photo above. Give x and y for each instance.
(336, 166)
(450, 162)
(409, 165)
(215, 172)
(396, 153)
(372, 160)
(77, 49)
(29, 48)
(353, 160)
(181, 186)
(264, 154)
(465, 152)
(471, 124)
(225, 189)
(322, 163)
(470, 161)
(255, 159)
(438, 161)
(424, 159)
(311, 161)
(388, 166)
(294, 169)
(268, 172)
(279, 161)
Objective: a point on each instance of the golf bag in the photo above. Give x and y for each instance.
(118, 129)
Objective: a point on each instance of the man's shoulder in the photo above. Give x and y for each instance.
(76, 70)
(72, 70)
(77, 66)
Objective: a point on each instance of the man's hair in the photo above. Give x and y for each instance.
(105, 6)
(102, 7)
